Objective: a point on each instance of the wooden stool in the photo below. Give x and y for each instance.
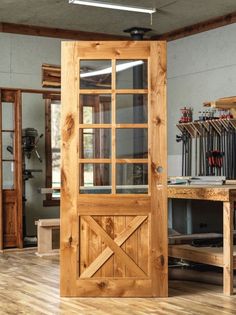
(44, 231)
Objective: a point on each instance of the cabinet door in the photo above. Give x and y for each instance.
(114, 155)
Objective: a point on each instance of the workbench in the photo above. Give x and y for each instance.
(217, 256)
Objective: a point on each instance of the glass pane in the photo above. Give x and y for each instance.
(95, 109)
(7, 116)
(95, 178)
(95, 74)
(131, 178)
(8, 175)
(131, 74)
(131, 109)
(131, 143)
(96, 143)
(7, 146)
(56, 144)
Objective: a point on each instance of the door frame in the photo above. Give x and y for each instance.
(14, 95)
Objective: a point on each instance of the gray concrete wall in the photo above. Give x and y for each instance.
(200, 68)
(21, 58)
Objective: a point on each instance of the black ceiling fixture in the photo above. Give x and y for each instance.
(136, 32)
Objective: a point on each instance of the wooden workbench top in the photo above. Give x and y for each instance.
(206, 192)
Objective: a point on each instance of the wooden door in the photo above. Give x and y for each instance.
(11, 170)
(114, 169)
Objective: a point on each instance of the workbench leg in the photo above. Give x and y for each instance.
(228, 210)
(189, 217)
(170, 214)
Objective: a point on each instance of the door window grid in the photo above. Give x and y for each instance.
(114, 161)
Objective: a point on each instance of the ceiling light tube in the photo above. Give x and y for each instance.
(114, 6)
(121, 67)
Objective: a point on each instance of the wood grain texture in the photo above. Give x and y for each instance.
(214, 193)
(125, 232)
(117, 50)
(30, 285)
(137, 266)
(119, 227)
(228, 216)
(34, 30)
(10, 219)
(207, 255)
(84, 246)
(143, 234)
(94, 244)
(114, 246)
(18, 167)
(8, 93)
(51, 76)
(107, 269)
(89, 203)
(158, 134)
(69, 170)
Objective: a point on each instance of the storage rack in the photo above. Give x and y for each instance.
(200, 138)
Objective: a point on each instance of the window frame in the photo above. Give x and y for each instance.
(49, 200)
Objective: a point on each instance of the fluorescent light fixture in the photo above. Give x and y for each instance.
(119, 68)
(106, 5)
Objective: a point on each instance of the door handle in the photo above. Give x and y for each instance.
(159, 169)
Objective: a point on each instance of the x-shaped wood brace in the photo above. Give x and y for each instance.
(113, 246)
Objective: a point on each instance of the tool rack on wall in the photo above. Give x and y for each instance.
(208, 147)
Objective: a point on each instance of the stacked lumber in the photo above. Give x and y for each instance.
(225, 103)
(51, 76)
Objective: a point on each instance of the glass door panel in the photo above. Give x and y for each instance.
(95, 109)
(95, 74)
(8, 175)
(8, 150)
(131, 143)
(131, 178)
(8, 145)
(123, 141)
(95, 143)
(8, 114)
(131, 109)
(95, 178)
(131, 74)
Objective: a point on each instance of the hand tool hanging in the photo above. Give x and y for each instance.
(208, 144)
(186, 140)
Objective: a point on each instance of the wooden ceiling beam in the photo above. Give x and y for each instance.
(55, 32)
(198, 28)
(82, 35)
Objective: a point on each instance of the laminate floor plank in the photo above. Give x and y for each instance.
(29, 285)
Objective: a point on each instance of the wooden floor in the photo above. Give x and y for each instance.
(30, 285)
